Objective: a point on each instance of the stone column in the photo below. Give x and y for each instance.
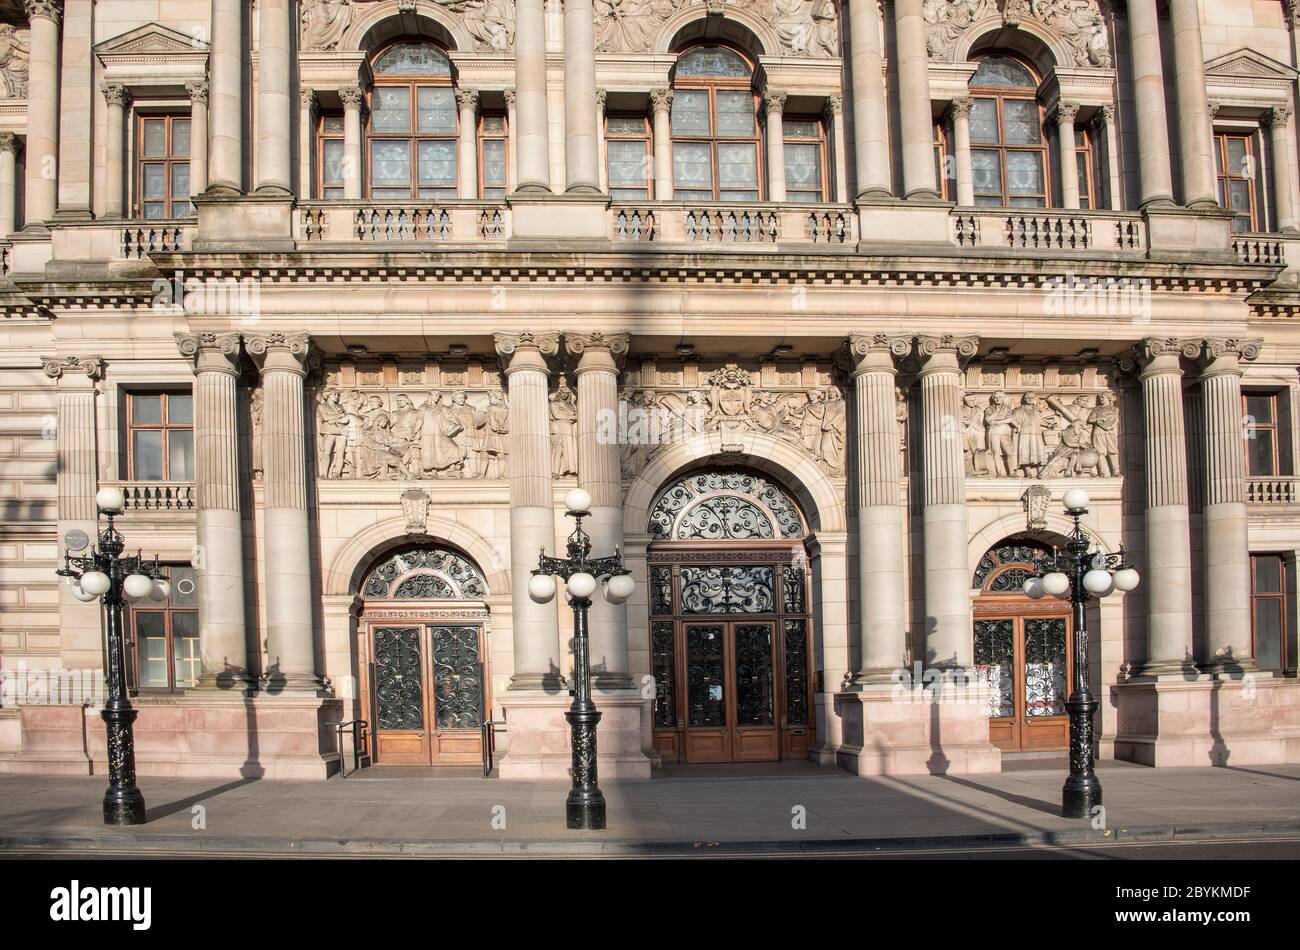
(274, 111)
(352, 161)
(532, 518)
(512, 157)
(1227, 540)
(882, 594)
(1149, 103)
(603, 166)
(774, 105)
(286, 546)
(1066, 112)
(42, 110)
(1195, 134)
(961, 150)
(115, 151)
(1116, 184)
(661, 101)
(467, 152)
(914, 101)
(307, 106)
(1279, 123)
(223, 643)
(81, 641)
(9, 146)
(581, 151)
(870, 120)
(76, 110)
(834, 115)
(225, 73)
(598, 472)
(1168, 571)
(199, 136)
(531, 140)
(947, 574)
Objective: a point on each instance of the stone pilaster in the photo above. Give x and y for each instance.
(1278, 120)
(291, 659)
(774, 108)
(870, 120)
(944, 520)
(531, 141)
(225, 74)
(352, 97)
(223, 642)
(961, 150)
(532, 519)
(1066, 113)
(1195, 134)
(598, 472)
(117, 98)
(581, 152)
(76, 110)
(467, 145)
(274, 109)
(1227, 540)
(307, 106)
(661, 103)
(1149, 103)
(1168, 571)
(914, 100)
(198, 93)
(9, 146)
(881, 533)
(833, 112)
(1106, 117)
(43, 17)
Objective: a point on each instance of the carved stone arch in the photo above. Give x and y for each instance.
(739, 27)
(1031, 39)
(1013, 526)
(377, 23)
(353, 561)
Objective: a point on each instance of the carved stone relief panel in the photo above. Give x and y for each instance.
(804, 27)
(491, 23)
(1082, 25)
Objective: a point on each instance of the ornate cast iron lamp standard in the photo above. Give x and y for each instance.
(1080, 573)
(585, 806)
(107, 576)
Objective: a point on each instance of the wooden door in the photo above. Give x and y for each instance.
(398, 674)
(731, 687)
(459, 694)
(1026, 660)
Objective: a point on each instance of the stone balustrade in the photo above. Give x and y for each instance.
(1271, 490)
(1254, 249)
(370, 222)
(1049, 230)
(725, 224)
(142, 238)
(156, 496)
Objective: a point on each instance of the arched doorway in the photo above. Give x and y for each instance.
(730, 620)
(1022, 650)
(423, 649)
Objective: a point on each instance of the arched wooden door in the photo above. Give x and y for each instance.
(730, 621)
(1022, 650)
(423, 647)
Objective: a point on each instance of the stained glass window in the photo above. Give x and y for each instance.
(414, 125)
(1009, 159)
(714, 127)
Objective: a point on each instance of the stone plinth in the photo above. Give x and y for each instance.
(538, 736)
(1179, 723)
(886, 221)
(890, 730)
(52, 741)
(237, 223)
(544, 217)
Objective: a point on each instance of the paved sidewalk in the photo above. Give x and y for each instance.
(723, 809)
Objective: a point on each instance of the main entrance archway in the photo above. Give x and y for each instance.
(423, 649)
(730, 620)
(1022, 650)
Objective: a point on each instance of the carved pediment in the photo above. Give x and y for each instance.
(1248, 64)
(151, 38)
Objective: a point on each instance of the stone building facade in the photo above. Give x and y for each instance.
(826, 302)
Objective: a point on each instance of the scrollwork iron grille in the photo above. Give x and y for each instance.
(664, 663)
(754, 674)
(706, 675)
(995, 664)
(1003, 569)
(725, 505)
(457, 677)
(728, 589)
(796, 672)
(399, 678)
(425, 573)
(661, 590)
(1045, 666)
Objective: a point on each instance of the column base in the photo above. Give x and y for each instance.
(299, 684)
(876, 676)
(1229, 666)
(890, 730)
(537, 737)
(228, 681)
(1165, 669)
(607, 682)
(539, 683)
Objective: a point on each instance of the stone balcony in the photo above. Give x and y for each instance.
(1031, 229)
(733, 223)
(1272, 490)
(155, 497)
(321, 223)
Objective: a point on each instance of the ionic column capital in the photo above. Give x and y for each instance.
(945, 351)
(210, 352)
(1226, 354)
(878, 352)
(286, 352)
(56, 367)
(614, 344)
(1161, 355)
(526, 350)
(661, 100)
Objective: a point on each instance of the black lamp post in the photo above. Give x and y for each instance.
(106, 575)
(1080, 573)
(585, 806)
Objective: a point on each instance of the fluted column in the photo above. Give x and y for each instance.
(961, 150)
(223, 643)
(1195, 134)
(882, 596)
(467, 157)
(532, 520)
(914, 101)
(1116, 184)
(1168, 573)
(581, 155)
(115, 150)
(598, 472)
(661, 100)
(225, 73)
(290, 645)
(198, 92)
(1227, 540)
(944, 522)
(42, 157)
(274, 110)
(1066, 112)
(774, 105)
(9, 146)
(1149, 102)
(1279, 123)
(530, 91)
(870, 121)
(352, 98)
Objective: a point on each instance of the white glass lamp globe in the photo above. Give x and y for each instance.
(1033, 588)
(1056, 584)
(578, 499)
(619, 588)
(1076, 499)
(581, 584)
(137, 586)
(111, 500)
(94, 583)
(1126, 579)
(1099, 582)
(161, 590)
(541, 588)
(82, 594)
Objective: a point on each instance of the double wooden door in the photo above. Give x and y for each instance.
(731, 691)
(426, 684)
(1026, 659)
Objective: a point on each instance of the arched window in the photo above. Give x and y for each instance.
(425, 573)
(1009, 157)
(725, 505)
(411, 148)
(714, 127)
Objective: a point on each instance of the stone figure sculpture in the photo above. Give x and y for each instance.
(564, 430)
(14, 54)
(324, 22)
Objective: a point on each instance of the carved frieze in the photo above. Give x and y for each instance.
(15, 46)
(1081, 25)
(491, 23)
(804, 27)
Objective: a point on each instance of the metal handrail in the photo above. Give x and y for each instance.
(359, 727)
(489, 745)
